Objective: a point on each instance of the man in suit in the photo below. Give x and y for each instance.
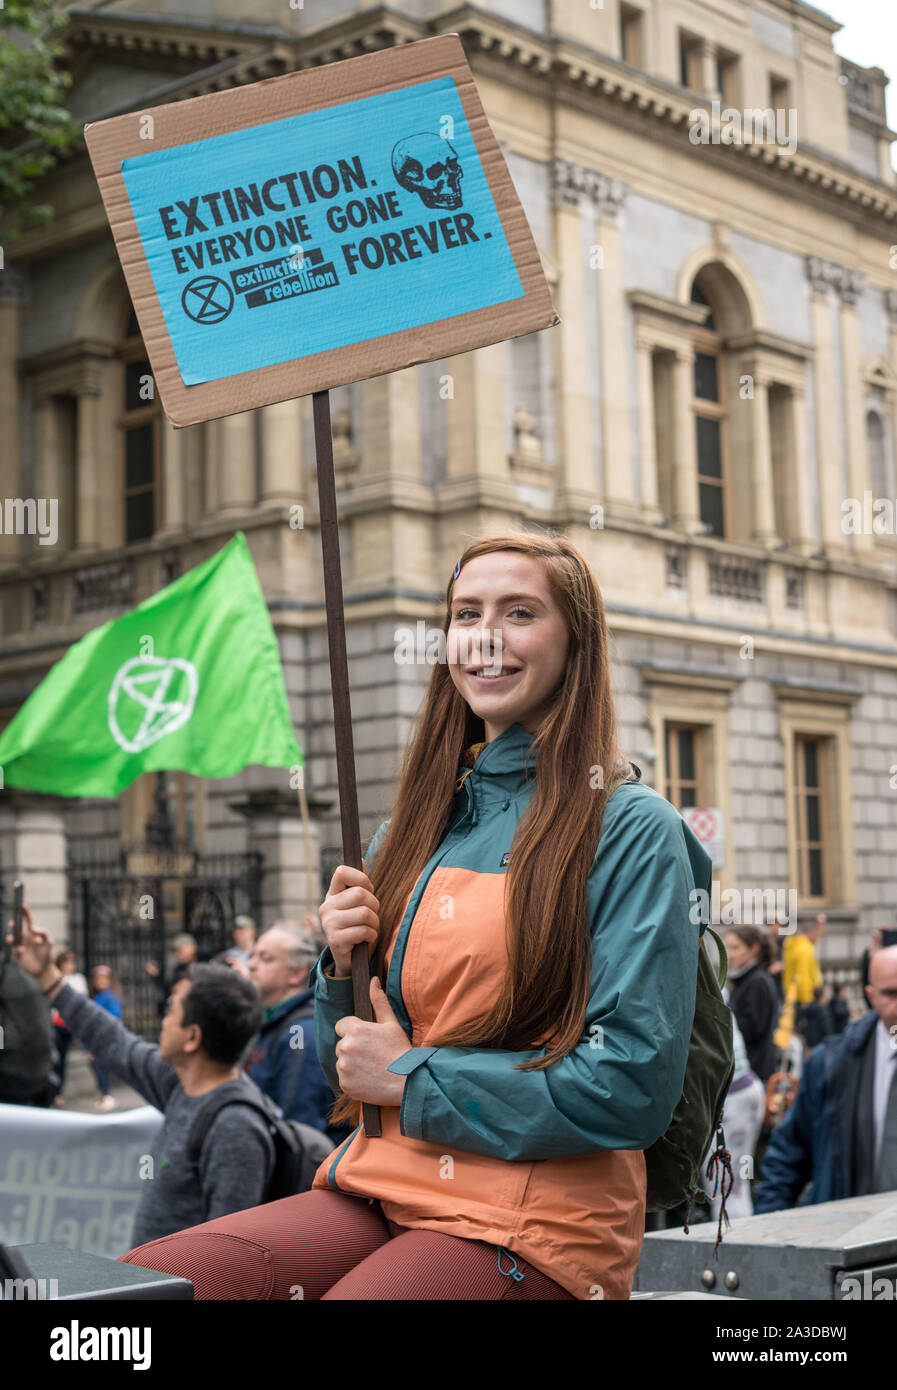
(840, 1135)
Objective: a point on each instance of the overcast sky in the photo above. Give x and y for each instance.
(869, 37)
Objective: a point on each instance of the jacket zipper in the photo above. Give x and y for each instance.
(471, 812)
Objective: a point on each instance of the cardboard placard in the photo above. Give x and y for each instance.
(318, 228)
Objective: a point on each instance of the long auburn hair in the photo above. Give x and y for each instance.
(546, 985)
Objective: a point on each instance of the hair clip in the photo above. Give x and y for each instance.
(457, 568)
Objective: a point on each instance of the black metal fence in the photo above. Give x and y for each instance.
(126, 910)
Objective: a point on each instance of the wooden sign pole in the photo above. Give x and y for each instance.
(342, 713)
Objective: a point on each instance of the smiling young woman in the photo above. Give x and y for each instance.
(526, 906)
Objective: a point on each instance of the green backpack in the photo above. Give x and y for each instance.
(674, 1162)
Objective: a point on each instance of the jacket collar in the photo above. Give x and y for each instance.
(506, 753)
(856, 1035)
(286, 1006)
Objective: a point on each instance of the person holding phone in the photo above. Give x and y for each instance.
(527, 909)
(28, 1059)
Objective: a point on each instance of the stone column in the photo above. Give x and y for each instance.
(685, 483)
(12, 298)
(281, 454)
(763, 525)
(390, 412)
(91, 483)
(47, 474)
(891, 310)
(613, 331)
(849, 290)
(172, 479)
(236, 462)
(802, 521)
(32, 848)
(291, 882)
(575, 476)
(650, 508)
(828, 463)
(709, 74)
(477, 446)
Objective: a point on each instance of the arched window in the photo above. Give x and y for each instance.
(710, 418)
(141, 435)
(877, 451)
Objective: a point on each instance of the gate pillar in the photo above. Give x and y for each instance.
(291, 863)
(33, 848)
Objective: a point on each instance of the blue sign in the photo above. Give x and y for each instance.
(321, 230)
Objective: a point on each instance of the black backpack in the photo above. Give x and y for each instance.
(26, 1043)
(298, 1149)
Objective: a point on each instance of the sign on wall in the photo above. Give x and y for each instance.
(708, 826)
(318, 228)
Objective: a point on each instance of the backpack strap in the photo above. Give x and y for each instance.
(722, 969)
(231, 1093)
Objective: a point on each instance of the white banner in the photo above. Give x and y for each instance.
(72, 1179)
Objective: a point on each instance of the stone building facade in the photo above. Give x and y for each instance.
(722, 382)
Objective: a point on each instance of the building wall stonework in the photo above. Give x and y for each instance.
(537, 433)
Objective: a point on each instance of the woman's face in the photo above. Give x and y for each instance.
(504, 617)
(739, 954)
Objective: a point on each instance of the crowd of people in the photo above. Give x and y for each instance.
(799, 1062)
(246, 1016)
(808, 1116)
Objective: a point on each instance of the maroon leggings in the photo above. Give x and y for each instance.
(321, 1245)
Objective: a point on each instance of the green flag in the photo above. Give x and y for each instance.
(190, 680)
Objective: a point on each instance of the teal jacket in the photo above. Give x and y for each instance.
(619, 1087)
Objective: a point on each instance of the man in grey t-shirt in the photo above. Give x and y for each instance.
(211, 1016)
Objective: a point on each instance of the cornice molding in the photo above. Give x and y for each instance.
(693, 678)
(116, 31)
(607, 81)
(759, 340)
(559, 67)
(655, 306)
(819, 692)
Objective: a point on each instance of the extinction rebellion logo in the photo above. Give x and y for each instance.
(150, 697)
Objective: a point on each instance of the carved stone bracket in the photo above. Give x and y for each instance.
(847, 284)
(572, 183)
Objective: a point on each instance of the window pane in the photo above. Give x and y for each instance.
(710, 458)
(711, 498)
(814, 857)
(134, 371)
(706, 384)
(139, 519)
(132, 328)
(699, 297)
(811, 765)
(139, 457)
(813, 818)
(683, 62)
(687, 755)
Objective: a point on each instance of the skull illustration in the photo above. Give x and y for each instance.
(427, 165)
